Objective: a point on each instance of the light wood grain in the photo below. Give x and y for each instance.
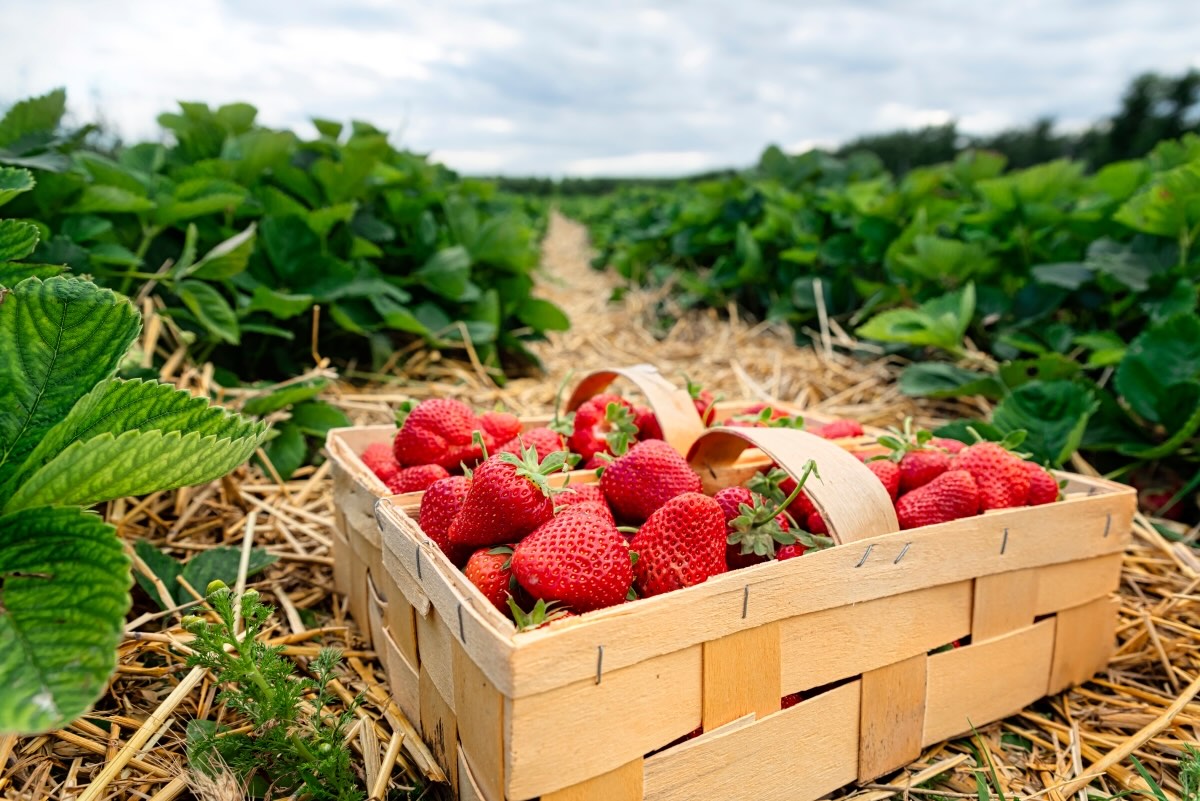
(741, 676)
(439, 726)
(566, 736)
(622, 784)
(398, 617)
(435, 646)
(376, 609)
(357, 597)
(355, 487)
(341, 554)
(404, 679)
(406, 582)
(978, 684)
(1075, 583)
(839, 643)
(1004, 602)
(1084, 639)
(468, 788)
(672, 406)
(480, 711)
(815, 743)
(892, 717)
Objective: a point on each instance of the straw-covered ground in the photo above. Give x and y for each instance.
(1142, 707)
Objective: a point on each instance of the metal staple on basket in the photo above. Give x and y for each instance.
(866, 553)
(903, 551)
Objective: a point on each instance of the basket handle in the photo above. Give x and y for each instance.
(852, 500)
(681, 425)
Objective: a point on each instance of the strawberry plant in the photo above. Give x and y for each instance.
(71, 436)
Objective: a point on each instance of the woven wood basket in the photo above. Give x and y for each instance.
(593, 708)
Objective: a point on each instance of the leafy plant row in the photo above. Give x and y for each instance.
(241, 230)
(1068, 297)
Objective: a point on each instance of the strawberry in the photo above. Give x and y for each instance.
(593, 508)
(603, 424)
(703, 400)
(509, 497)
(501, 425)
(490, 569)
(791, 551)
(646, 423)
(579, 560)
(951, 446)
(763, 416)
(753, 537)
(439, 506)
(380, 460)
(816, 524)
(952, 495)
(416, 479)
(1002, 480)
(840, 429)
(1042, 486)
(681, 545)
(541, 438)
(919, 462)
(789, 701)
(578, 493)
(888, 473)
(438, 431)
(645, 478)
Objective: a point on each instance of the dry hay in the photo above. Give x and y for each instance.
(1141, 706)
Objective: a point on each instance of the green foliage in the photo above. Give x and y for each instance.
(295, 746)
(216, 564)
(244, 229)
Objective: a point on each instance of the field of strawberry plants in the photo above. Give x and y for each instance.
(1066, 296)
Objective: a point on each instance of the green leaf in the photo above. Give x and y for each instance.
(210, 308)
(290, 245)
(941, 322)
(64, 580)
(1163, 354)
(285, 396)
(111, 200)
(1054, 413)
(67, 335)
(112, 253)
(164, 567)
(13, 182)
(940, 380)
(323, 220)
(287, 450)
(222, 563)
(33, 116)
(279, 305)
(1168, 206)
(226, 259)
(542, 315)
(448, 273)
(1179, 410)
(1050, 367)
(12, 274)
(315, 418)
(1107, 348)
(17, 239)
(1068, 275)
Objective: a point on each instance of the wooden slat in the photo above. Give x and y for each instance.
(1004, 602)
(355, 487)
(892, 717)
(439, 726)
(978, 684)
(376, 610)
(435, 645)
(817, 740)
(1084, 640)
(569, 735)
(406, 580)
(621, 784)
(741, 676)
(357, 596)
(834, 644)
(404, 680)
(398, 617)
(468, 788)
(480, 711)
(1075, 583)
(341, 556)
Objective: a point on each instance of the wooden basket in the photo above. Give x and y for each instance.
(592, 708)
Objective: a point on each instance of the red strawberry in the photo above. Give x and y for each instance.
(789, 701)
(888, 473)
(380, 460)
(950, 445)
(816, 524)
(840, 429)
(501, 425)
(593, 508)
(440, 504)
(791, 551)
(646, 423)
(950, 496)
(763, 416)
(1001, 477)
(415, 479)
(1042, 486)
(919, 462)
(750, 533)
(438, 431)
(490, 569)
(509, 498)
(580, 560)
(578, 493)
(681, 545)
(603, 424)
(543, 439)
(641, 481)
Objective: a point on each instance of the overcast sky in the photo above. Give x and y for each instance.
(600, 87)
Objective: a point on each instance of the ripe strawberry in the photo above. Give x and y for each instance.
(789, 701)
(509, 497)
(644, 479)
(951, 446)
(750, 532)
(580, 560)
(543, 439)
(380, 460)
(1001, 477)
(603, 424)
(416, 479)
(763, 416)
(816, 524)
(950, 496)
(919, 462)
(438, 431)
(1042, 486)
(682, 544)
(791, 551)
(490, 569)
(501, 425)
(578, 493)
(646, 423)
(593, 508)
(440, 504)
(888, 473)
(840, 429)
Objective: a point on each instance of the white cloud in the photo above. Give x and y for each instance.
(653, 163)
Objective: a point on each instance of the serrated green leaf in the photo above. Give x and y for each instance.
(315, 418)
(941, 322)
(32, 116)
(940, 380)
(1053, 413)
(68, 335)
(113, 253)
(64, 580)
(210, 308)
(223, 563)
(17, 239)
(1163, 354)
(14, 181)
(448, 273)
(12, 273)
(285, 396)
(1168, 206)
(226, 259)
(111, 200)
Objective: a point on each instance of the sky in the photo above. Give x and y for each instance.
(606, 87)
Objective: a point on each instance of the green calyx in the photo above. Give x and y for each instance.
(901, 441)
(527, 466)
(402, 411)
(623, 431)
(757, 529)
(541, 614)
(562, 424)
